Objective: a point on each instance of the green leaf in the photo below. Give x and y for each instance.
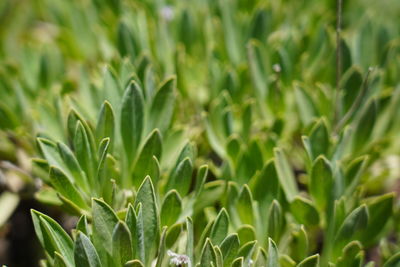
(257, 70)
(229, 248)
(121, 244)
(393, 261)
(53, 237)
(353, 173)
(105, 123)
(84, 152)
(351, 81)
(238, 262)
(59, 260)
(190, 239)
(246, 251)
(244, 206)
(351, 255)
(82, 225)
(49, 150)
(146, 196)
(188, 151)
(102, 168)
(354, 222)
(321, 182)
(134, 263)
(319, 139)
(201, 178)
(126, 43)
(131, 222)
(73, 166)
(181, 177)
(143, 166)
(380, 210)
(64, 186)
(73, 119)
(250, 161)
(85, 253)
(364, 126)
(141, 250)
(104, 221)
(261, 258)
(275, 220)
(304, 211)
(273, 255)
(219, 229)
(285, 174)
(161, 248)
(218, 254)
(299, 246)
(132, 116)
(312, 261)
(171, 208)
(208, 255)
(246, 233)
(286, 261)
(233, 147)
(230, 34)
(264, 195)
(162, 108)
(305, 105)
(247, 121)
(9, 120)
(173, 234)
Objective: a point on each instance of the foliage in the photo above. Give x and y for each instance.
(204, 133)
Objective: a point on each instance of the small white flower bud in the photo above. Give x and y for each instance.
(277, 68)
(177, 259)
(167, 13)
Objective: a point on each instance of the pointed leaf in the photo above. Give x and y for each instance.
(181, 177)
(244, 206)
(73, 166)
(152, 147)
(273, 255)
(321, 182)
(85, 253)
(131, 222)
(84, 152)
(219, 229)
(105, 124)
(134, 263)
(354, 222)
(275, 220)
(104, 221)
(312, 261)
(121, 244)
(162, 108)
(63, 185)
(146, 196)
(208, 255)
(304, 211)
(229, 248)
(285, 174)
(319, 139)
(190, 239)
(132, 115)
(171, 208)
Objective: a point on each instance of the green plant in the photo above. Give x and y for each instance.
(218, 133)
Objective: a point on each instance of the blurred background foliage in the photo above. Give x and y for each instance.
(250, 76)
